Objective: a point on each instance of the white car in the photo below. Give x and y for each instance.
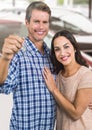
(76, 23)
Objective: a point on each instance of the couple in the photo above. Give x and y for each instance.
(26, 68)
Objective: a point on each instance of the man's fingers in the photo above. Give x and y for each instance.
(15, 37)
(13, 42)
(12, 45)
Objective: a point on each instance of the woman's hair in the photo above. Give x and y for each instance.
(78, 57)
(38, 5)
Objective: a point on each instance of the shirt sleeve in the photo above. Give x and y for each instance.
(86, 80)
(12, 78)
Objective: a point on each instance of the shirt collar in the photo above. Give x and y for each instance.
(29, 46)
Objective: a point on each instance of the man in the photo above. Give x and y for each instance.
(33, 105)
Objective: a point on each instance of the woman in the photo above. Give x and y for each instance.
(73, 88)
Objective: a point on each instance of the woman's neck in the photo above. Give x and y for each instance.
(70, 70)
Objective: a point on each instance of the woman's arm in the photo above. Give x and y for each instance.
(75, 109)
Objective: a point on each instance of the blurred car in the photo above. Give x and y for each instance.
(76, 23)
(14, 10)
(11, 23)
(88, 59)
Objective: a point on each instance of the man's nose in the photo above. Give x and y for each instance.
(41, 25)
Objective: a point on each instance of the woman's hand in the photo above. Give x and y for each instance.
(90, 105)
(49, 79)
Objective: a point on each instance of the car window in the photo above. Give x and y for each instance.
(73, 29)
(80, 23)
(58, 24)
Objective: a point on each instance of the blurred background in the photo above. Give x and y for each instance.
(74, 15)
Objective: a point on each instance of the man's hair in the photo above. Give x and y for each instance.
(38, 5)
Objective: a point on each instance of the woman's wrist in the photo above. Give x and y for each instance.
(55, 90)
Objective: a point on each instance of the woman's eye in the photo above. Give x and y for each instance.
(56, 49)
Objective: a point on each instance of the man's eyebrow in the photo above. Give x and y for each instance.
(66, 43)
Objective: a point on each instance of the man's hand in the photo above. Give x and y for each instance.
(12, 45)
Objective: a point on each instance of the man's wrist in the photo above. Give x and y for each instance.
(3, 57)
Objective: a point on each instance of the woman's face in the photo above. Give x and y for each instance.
(64, 51)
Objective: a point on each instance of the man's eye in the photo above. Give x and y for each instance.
(66, 47)
(45, 22)
(36, 21)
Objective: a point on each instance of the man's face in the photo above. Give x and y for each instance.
(38, 26)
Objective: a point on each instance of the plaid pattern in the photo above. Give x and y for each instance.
(34, 106)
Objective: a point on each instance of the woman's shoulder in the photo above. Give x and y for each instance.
(85, 69)
(85, 80)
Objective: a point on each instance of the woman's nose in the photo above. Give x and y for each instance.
(62, 52)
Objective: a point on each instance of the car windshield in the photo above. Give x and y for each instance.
(75, 22)
(79, 21)
(57, 25)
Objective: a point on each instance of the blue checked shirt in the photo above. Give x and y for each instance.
(33, 105)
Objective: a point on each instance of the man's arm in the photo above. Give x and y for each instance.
(3, 69)
(12, 45)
